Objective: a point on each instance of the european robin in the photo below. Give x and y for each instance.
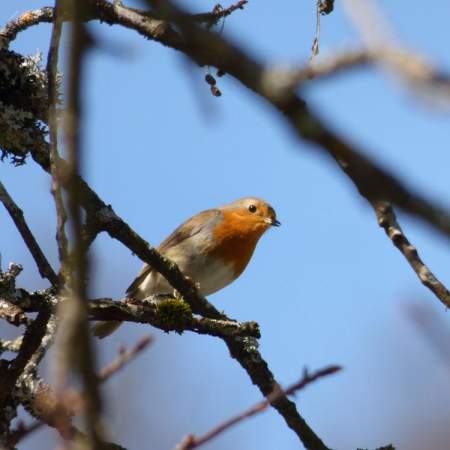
(212, 248)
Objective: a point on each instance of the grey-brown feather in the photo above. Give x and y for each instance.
(186, 230)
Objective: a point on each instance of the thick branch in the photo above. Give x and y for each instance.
(167, 314)
(371, 180)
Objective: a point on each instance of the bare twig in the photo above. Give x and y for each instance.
(323, 7)
(124, 357)
(52, 410)
(190, 441)
(218, 13)
(381, 42)
(327, 66)
(17, 216)
(315, 44)
(388, 221)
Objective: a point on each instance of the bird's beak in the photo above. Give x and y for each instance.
(272, 222)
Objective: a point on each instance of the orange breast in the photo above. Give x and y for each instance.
(236, 238)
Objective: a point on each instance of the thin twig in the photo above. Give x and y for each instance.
(124, 357)
(315, 44)
(17, 216)
(388, 221)
(190, 441)
(218, 13)
(382, 43)
(51, 406)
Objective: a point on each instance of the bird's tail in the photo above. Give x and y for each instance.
(103, 329)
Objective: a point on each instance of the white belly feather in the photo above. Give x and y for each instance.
(212, 276)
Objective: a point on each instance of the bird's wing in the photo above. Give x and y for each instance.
(142, 275)
(185, 231)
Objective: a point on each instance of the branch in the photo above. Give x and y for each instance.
(23, 22)
(208, 49)
(17, 216)
(42, 403)
(243, 350)
(12, 313)
(373, 183)
(125, 356)
(169, 315)
(31, 341)
(190, 441)
(388, 221)
(218, 13)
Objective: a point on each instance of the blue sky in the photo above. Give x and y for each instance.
(326, 287)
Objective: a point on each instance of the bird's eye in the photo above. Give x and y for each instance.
(252, 208)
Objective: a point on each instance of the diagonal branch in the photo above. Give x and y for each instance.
(124, 357)
(30, 343)
(388, 221)
(373, 182)
(17, 216)
(190, 441)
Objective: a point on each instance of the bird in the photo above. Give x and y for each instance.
(212, 248)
